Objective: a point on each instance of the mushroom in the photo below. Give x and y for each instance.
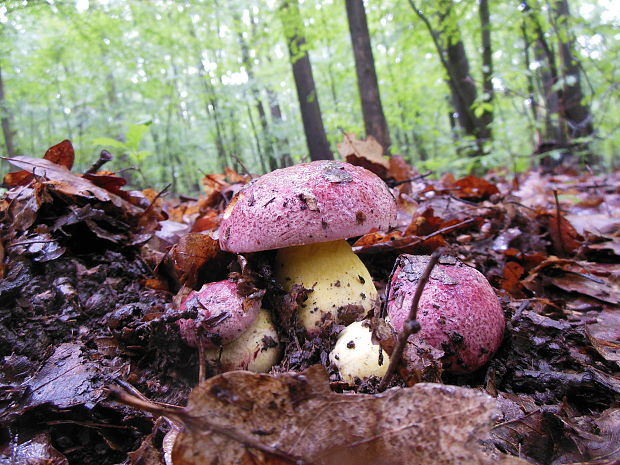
(223, 314)
(257, 349)
(356, 356)
(458, 311)
(307, 211)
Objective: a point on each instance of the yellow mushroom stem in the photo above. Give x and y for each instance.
(342, 287)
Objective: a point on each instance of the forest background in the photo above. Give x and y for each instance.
(178, 88)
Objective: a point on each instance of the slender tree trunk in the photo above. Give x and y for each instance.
(372, 110)
(451, 50)
(486, 119)
(5, 119)
(316, 138)
(573, 106)
(553, 136)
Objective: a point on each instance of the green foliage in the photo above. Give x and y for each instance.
(91, 72)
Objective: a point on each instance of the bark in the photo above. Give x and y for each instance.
(574, 109)
(553, 136)
(372, 110)
(451, 50)
(486, 119)
(316, 138)
(5, 120)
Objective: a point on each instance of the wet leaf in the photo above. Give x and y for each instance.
(190, 254)
(239, 418)
(604, 335)
(68, 183)
(61, 154)
(36, 451)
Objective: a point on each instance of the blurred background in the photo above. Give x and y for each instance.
(179, 89)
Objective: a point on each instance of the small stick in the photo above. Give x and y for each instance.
(238, 160)
(558, 219)
(411, 325)
(405, 181)
(104, 157)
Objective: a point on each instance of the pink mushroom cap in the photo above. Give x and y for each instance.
(458, 312)
(223, 315)
(306, 203)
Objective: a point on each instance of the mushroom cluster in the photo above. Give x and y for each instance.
(307, 212)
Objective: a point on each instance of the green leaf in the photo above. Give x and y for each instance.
(108, 141)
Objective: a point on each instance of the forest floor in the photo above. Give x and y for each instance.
(93, 278)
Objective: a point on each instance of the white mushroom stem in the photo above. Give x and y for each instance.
(356, 356)
(342, 287)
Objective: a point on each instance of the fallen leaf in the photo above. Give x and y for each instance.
(36, 451)
(68, 183)
(61, 154)
(190, 254)
(243, 418)
(604, 335)
(365, 153)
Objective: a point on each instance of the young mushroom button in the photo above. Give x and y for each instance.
(307, 211)
(458, 311)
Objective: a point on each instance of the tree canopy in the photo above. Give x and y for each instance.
(182, 88)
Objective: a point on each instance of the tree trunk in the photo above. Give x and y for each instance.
(573, 108)
(451, 50)
(6, 122)
(304, 82)
(486, 118)
(372, 110)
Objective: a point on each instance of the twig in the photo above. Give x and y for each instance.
(245, 169)
(558, 219)
(104, 157)
(411, 325)
(405, 181)
(159, 194)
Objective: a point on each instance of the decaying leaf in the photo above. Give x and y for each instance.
(36, 451)
(604, 335)
(61, 154)
(68, 183)
(365, 153)
(190, 254)
(243, 418)
(598, 280)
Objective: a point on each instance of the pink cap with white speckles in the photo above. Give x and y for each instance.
(311, 202)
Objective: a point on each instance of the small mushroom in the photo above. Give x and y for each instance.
(257, 349)
(356, 356)
(307, 211)
(223, 314)
(458, 311)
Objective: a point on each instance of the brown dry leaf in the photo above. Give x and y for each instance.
(564, 237)
(214, 185)
(365, 153)
(209, 221)
(604, 335)
(61, 154)
(510, 280)
(598, 280)
(470, 187)
(190, 254)
(64, 181)
(242, 418)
